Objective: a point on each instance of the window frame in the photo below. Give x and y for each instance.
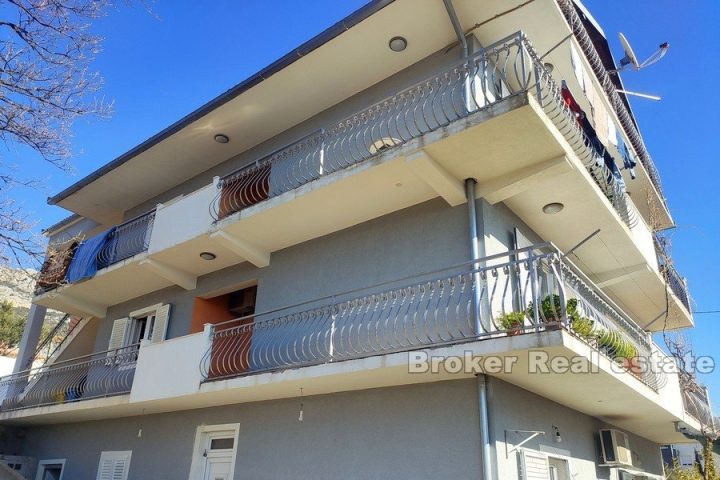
(133, 317)
(51, 462)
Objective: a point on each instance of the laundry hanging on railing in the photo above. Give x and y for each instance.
(85, 261)
(601, 152)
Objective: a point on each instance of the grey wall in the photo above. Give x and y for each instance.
(432, 434)
(419, 239)
(426, 431)
(403, 79)
(513, 408)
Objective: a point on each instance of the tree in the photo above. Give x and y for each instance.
(11, 328)
(46, 49)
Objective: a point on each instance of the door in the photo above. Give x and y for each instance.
(219, 455)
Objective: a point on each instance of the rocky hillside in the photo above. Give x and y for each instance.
(16, 287)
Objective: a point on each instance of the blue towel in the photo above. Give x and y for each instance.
(85, 262)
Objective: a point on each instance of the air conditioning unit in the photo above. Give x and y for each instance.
(615, 447)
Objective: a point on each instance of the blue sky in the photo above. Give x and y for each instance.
(157, 68)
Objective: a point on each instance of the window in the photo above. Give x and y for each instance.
(50, 470)
(148, 324)
(214, 452)
(114, 465)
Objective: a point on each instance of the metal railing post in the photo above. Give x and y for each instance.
(333, 319)
(532, 263)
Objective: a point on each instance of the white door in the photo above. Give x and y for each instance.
(219, 456)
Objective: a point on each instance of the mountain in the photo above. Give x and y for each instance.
(17, 287)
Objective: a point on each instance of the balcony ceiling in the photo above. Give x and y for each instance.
(342, 67)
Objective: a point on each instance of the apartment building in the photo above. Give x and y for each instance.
(299, 279)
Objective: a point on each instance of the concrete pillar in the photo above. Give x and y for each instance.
(30, 337)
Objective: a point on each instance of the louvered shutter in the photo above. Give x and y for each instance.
(534, 465)
(162, 316)
(117, 337)
(114, 465)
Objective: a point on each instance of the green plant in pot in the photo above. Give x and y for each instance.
(551, 308)
(583, 326)
(511, 322)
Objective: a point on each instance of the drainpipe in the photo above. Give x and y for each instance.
(467, 90)
(484, 426)
(457, 27)
(474, 251)
(470, 184)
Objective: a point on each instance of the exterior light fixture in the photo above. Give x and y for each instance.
(208, 256)
(549, 67)
(553, 208)
(556, 434)
(222, 138)
(397, 44)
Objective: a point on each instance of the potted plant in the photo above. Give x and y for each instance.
(583, 326)
(551, 308)
(511, 322)
(628, 357)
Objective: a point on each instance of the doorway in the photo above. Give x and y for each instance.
(215, 451)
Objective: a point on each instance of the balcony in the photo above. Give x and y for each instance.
(509, 305)
(697, 403)
(524, 291)
(505, 69)
(99, 375)
(416, 145)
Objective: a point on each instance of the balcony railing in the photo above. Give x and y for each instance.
(621, 109)
(697, 403)
(127, 240)
(526, 290)
(122, 242)
(676, 283)
(102, 374)
(507, 68)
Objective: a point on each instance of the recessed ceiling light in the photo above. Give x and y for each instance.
(208, 256)
(222, 138)
(553, 208)
(397, 44)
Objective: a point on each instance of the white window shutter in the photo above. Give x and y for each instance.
(114, 465)
(162, 316)
(117, 337)
(534, 465)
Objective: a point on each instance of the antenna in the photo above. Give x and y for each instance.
(641, 95)
(631, 60)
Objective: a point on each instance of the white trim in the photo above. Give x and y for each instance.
(198, 448)
(145, 311)
(43, 463)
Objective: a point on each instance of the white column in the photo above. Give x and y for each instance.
(30, 337)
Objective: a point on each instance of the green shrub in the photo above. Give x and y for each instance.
(511, 320)
(582, 326)
(551, 308)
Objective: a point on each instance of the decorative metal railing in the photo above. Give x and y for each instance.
(526, 290)
(101, 374)
(504, 69)
(676, 283)
(697, 403)
(127, 240)
(621, 109)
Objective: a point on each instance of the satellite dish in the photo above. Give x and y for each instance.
(631, 60)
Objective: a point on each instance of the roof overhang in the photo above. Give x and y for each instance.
(346, 59)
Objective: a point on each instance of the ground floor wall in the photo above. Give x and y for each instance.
(427, 431)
